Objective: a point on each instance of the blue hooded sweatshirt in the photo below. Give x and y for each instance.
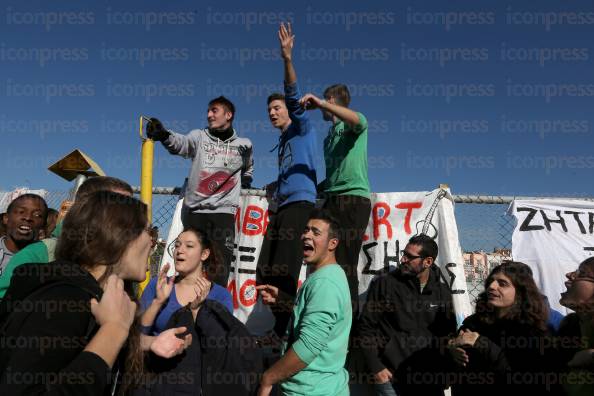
(296, 154)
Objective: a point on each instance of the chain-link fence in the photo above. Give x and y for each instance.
(485, 229)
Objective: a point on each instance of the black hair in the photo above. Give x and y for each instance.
(213, 265)
(328, 218)
(428, 245)
(529, 307)
(226, 103)
(275, 96)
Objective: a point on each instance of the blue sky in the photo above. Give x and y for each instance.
(489, 97)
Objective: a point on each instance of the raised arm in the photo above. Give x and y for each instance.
(287, 38)
(311, 102)
(175, 143)
(292, 94)
(153, 298)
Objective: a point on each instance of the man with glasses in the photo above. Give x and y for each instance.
(408, 313)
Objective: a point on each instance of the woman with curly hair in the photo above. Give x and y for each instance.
(499, 348)
(577, 329)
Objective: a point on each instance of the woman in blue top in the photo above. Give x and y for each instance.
(195, 256)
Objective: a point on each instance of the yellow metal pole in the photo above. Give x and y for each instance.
(146, 183)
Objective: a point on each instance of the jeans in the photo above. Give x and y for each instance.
(385, 389)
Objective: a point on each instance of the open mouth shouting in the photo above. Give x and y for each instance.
(24, 230)
(308, 249)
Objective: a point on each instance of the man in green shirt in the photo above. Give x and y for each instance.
(346, 187)
(317, 338)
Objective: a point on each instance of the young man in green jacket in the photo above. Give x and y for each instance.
(318, 334)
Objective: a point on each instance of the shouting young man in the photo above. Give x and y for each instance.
(24, 220)
(318, 333)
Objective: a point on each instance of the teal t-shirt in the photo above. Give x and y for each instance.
(345, 154)
(34, 253)
(38, 252)
(319, 334)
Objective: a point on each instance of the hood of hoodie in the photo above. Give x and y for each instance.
(29, 277)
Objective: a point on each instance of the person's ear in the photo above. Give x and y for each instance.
(428, 262)
(205, 255)
(228, 115)
(332, 244)
(5, 219)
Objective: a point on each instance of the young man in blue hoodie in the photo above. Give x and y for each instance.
(222, 163)
(281, 257)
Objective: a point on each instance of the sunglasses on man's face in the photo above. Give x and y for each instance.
(408, 256)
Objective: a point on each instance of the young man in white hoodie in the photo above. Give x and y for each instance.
(222, 163)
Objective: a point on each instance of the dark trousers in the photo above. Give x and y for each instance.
(281, 258)
(352, 213)
(220, 230)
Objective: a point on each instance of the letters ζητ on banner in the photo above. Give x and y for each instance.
(552, 236)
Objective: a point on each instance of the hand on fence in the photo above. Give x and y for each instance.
(156, 131)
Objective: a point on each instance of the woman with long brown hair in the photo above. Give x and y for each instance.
(63, 324)
(499, 348)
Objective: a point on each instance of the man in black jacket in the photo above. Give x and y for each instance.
(408, 315)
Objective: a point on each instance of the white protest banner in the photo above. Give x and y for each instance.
(395, 218)
(552, 236)
(175, 229)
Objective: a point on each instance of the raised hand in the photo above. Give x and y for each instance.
(310, 102)
(164, 285)
(286, 38)
(202, 288)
